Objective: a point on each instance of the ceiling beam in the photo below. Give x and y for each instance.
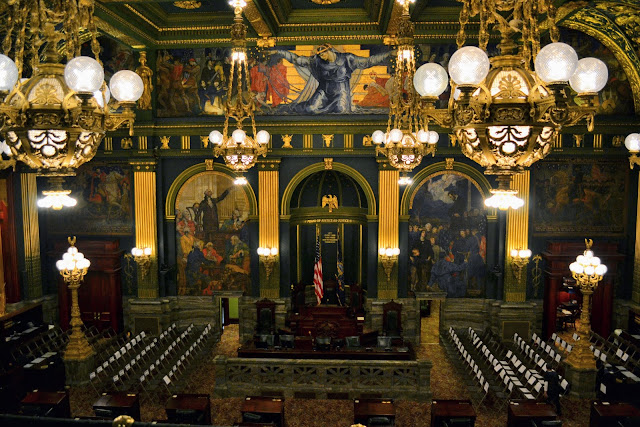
(257, 20)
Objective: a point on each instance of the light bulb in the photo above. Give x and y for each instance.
(556, 63)
(433, 137)
(238, 135)
(274, 251)
(378, 137)
(469, 66)
(589, 270)
(395, 135)
(147, 251)
(388, 252)
(126, 86)
(83, 74)
(430, 79)
(263, 137)
(381, 251)
(514, 253)
(215, 137)
(632, 142)
(97, 95)
(591, 76)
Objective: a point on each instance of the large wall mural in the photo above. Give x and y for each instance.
(448, 236)
(322, 79)
(212, 235)
(105, 201)
(579, 196)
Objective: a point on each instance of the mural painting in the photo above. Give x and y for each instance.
(212, 237)
(105, 201)
(579, 196)
(448, 236)
(308, 80)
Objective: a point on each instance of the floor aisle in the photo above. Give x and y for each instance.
(445, 384)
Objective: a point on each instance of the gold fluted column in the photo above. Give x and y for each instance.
(388, 226)
(144, 184)
(31, 234)
(635, 291)
(269, 225)
(517, 238)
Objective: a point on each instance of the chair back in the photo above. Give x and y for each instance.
(353, 342)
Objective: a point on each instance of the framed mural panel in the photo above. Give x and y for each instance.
(105, 201)
(579, 196)
(448, 236)
(212, 236)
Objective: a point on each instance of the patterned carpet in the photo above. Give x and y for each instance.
(445, 384)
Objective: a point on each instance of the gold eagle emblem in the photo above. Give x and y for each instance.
(331, 201)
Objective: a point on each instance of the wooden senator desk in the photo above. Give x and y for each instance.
(46, 403)
(271, 408)
(363, 409)
(189, 402)
(522, 412)
(116, 404)
(308, 352)
(444, 410)
(605, 414)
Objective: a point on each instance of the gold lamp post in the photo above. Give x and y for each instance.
(142, 256)
(239, 150)
(407, 139)
(73, 266)
(519, 261)
(632, 142)
(54, 116)
(503, 114)
(588, 272)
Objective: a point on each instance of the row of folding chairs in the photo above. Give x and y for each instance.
(613, 351)
(538, 352)
(478, 394)
(52, 340)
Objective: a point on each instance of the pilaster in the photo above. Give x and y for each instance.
(31, 236)
(635, 290)
(388, 223)
(517, 238)
(269, 226)
(144, 181)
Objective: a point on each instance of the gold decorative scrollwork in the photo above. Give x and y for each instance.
(187, 4)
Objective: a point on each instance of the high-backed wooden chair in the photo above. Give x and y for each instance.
(392, 319)
(297, 297)
(356, 299)
(266, 316)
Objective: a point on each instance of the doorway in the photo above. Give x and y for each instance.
(229, 311)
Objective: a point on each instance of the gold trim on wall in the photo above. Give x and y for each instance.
(517, 238)
(269, 228)
(31, 236)
(635, 291)
(388, 231)
(144, 184)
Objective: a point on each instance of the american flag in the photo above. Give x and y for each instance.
(318, 284)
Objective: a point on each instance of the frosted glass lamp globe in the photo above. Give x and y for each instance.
(378, 137)
(430, 79)
(590, 76)
(469, 66)
(632, 142)
(215, 137)
(83, 74)
(8, 73)
(126, 86)
(98, 96)
(395, 135)
(556, 63)
(263, 137)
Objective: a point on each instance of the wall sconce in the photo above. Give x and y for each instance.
(142, 256)
(388, 257)
(268, 257)
(519, 261)
(632, 142)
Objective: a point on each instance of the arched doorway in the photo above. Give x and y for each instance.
(329, 206)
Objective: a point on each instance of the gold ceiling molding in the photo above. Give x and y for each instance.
(123, 22)
(273, 12)
(219, 28)
(187, 4)
(325, 2)
(256, 20)
(107, 28)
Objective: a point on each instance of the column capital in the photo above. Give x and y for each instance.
(143, 165)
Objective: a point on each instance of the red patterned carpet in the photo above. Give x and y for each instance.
(445, 384)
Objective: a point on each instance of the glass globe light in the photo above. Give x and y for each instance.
(8, 73)
(396, 251)
(215, 137)
(433, 137)
(126, 86)
(514, 253)
(238, 135)
(556, 62)
(263, 137)
(588, 254)
(378, 137)
(595, 261)
(388, 252)
(469, 66)
(632, 142)
(422, 136)
(381, 251)
(524, 253)
(274, 251)
(430, 79)
(260, 251)
(589, 270)
(97, 95)
(241, 180)
(60, 265)
(395, 135)
(581, 259)
(601, 270)
(84, 74)
(590, 76)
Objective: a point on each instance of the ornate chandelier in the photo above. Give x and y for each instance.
(54, 119)
(503, 112)
(240, 151)
(407, 139)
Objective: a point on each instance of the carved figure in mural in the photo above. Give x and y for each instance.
(187, 241)
(211, 87)
(238, 255)
(328, 73)
(208, 210)
(176, 88)
(278, 90)
(190, 77)
(259, 81)
(377, 91)
(145, 73)
(164, 66)
(195, 260)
